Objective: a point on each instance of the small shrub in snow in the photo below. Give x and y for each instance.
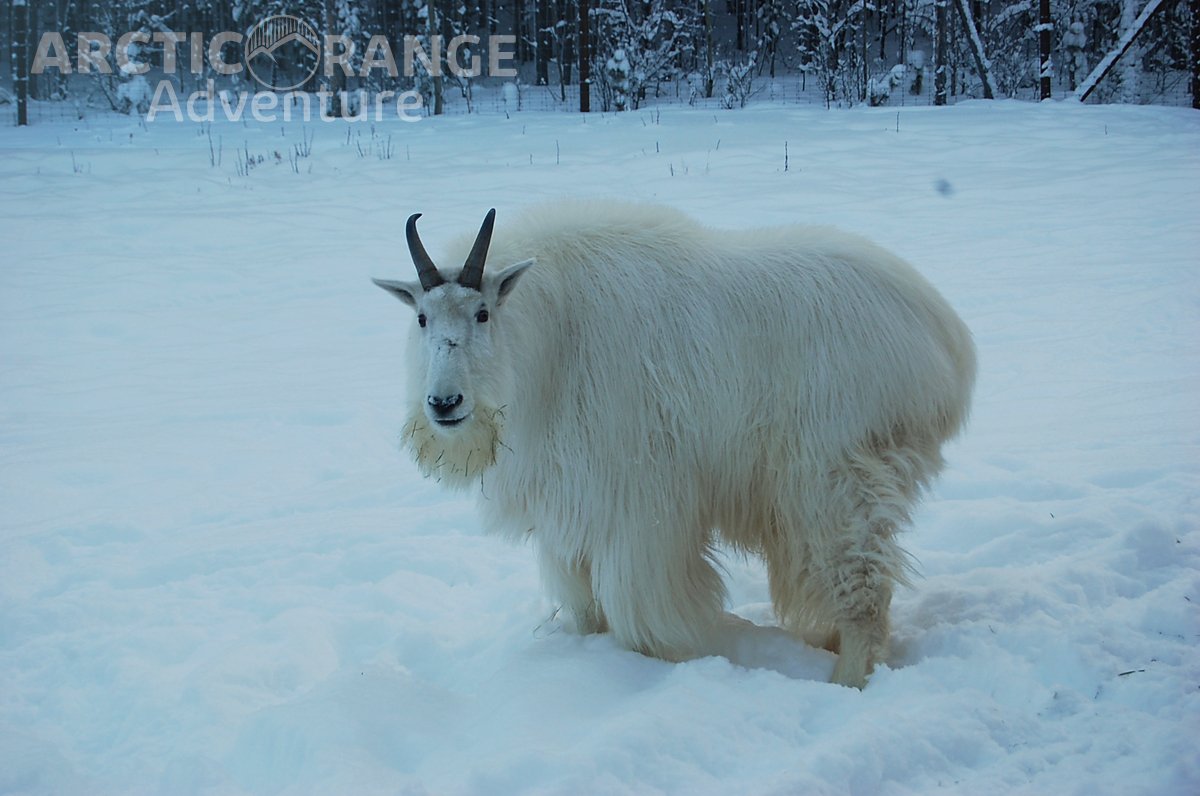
(134, 95)
(1074, 41)
(739, 83)
(510, 95)
(880, 88)
(916, 61)
(616, 72)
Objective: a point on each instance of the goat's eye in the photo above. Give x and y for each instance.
(482, 316)
(421, 320)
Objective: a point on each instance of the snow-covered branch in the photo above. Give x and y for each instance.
(982, 64)
(1109, 61)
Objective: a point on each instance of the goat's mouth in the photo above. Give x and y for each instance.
(451, 422)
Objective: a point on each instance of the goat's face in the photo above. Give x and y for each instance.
(456, 321)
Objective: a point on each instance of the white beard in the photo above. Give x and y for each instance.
(457, 459)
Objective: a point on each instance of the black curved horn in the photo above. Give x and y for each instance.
(472, 272)
(426, 270)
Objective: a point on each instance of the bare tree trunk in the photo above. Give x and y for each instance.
(337, 80)
(433, 28)
(522, 48)
(708, 48)
(739, 12)
(566, 45)
(833, 58)
(20, 34)
(1129, 67)
(939, 56)
(1045, 67)
(953, 32)
(585, 58)
(866, 60)
(883, 32)
(8, 41)
(1194, 7)
(982, 64)
(541, 16)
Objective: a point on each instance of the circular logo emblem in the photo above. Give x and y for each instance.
(282, 52)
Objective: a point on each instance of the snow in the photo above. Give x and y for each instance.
(219, 575)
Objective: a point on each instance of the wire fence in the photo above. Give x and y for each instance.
(494, 97)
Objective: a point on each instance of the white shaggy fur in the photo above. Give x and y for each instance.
(651, 386)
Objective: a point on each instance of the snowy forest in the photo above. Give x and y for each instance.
(626, 54)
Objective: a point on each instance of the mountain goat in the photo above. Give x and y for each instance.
(627, 387)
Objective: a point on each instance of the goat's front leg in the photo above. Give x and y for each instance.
(571, 584)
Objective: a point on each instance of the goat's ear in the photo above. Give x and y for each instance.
(507, 278)
(405, 291)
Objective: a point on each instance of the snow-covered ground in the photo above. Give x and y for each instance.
(218, 574)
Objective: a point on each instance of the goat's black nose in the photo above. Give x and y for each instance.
(444, 405)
